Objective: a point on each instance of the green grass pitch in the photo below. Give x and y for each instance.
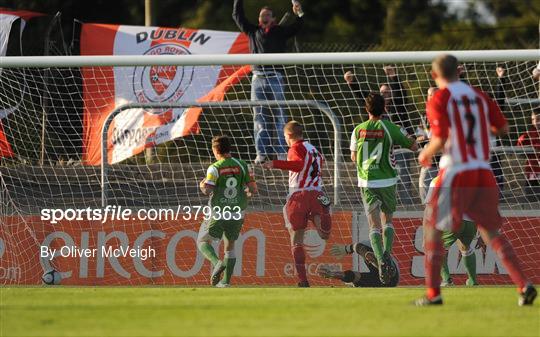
(170, 311)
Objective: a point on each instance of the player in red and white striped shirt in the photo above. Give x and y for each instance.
(306, 200)
(463, 119)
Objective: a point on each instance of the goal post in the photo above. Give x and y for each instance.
(268, 59)
(276, 103)
(49, 172)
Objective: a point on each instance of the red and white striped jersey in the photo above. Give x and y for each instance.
(304, 163)
(465, 116)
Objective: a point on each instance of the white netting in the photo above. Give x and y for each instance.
(45, 131)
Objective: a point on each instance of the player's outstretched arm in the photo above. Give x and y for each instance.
(294, 28)
(353, 83)
(240, 19)
(406, 142)
(294, 162)
(285, 165)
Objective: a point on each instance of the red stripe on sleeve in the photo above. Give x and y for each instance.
(288, 165)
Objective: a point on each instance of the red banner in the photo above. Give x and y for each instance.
(107, 88)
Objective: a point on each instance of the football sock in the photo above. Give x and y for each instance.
(388, 236)
(469, 260)
(229, 261)
(300, 261)
(376, 243)
(445, 271)
(433, 292)
(506, 253)
(433, 259)
(208, 251)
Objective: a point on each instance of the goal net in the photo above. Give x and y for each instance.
(52, 182)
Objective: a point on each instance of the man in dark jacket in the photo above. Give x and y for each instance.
(267, 84)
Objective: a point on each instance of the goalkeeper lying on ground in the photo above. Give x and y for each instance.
(359, 279)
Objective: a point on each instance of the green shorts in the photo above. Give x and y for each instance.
(385, 197)
(216, 229)
(466, 234)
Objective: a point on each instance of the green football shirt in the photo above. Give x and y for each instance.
(229, 177)
(373, 142)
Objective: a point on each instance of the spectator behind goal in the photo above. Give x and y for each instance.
(268, 83)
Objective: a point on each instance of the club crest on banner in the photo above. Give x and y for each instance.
(162, 84)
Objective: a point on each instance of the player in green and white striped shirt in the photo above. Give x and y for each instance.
(229, 183)
(372, 144)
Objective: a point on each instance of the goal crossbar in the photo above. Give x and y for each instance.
(265, 59)
(229, 104)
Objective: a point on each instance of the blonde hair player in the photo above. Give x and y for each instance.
(306, 199)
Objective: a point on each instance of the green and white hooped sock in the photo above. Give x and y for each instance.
(208, 252)
(469, 260)
(229, 261)
(376, 243)
(388, 237)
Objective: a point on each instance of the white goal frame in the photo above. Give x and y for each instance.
(229, 104)
(259, 59)
(266, 59)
